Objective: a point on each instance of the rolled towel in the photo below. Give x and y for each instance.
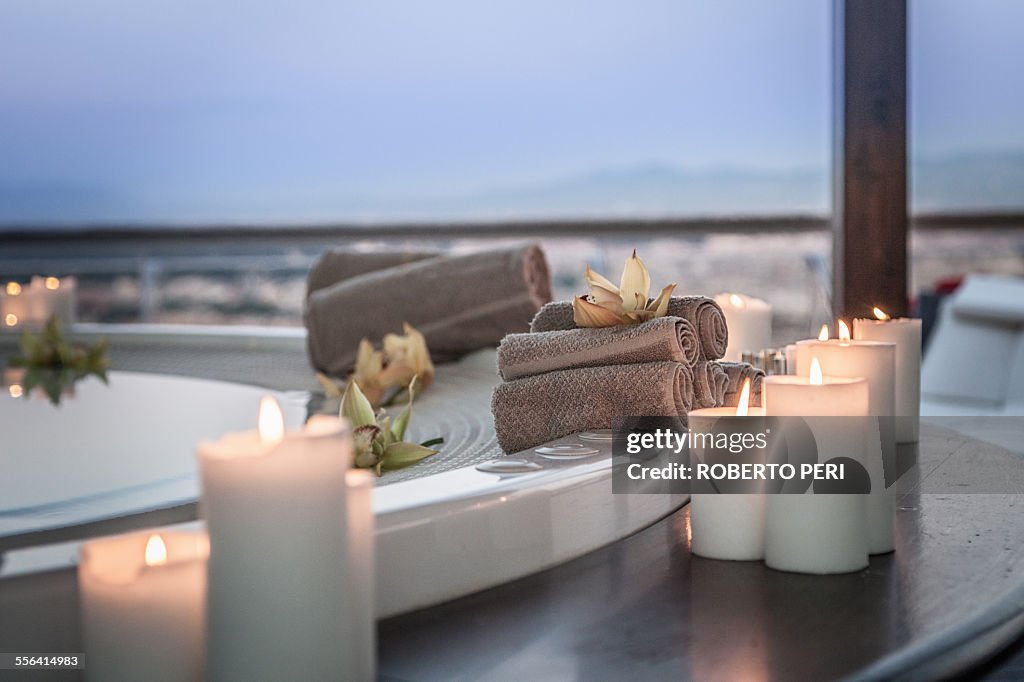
(703, 313)
(738, 372)
(707, 319)
(538, 409)
(709, 384)
(337, 265)
(459, 304)
(664, 338)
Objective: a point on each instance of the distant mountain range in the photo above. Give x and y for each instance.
(969, 181)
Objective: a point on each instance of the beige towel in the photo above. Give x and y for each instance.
(709, 384)
(664, 338)
(535, 410)
(703, 313)
(459, 303)
(738, 372)
(337, 265)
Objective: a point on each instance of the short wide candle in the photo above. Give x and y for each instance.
(276, 508)
(142, 602)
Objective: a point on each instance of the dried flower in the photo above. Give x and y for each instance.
(383, 374)
(608, 305)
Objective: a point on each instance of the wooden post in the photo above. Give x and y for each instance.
(870, 157)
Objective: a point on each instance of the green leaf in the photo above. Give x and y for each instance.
(399, 455)
(432, 442)
(387, 434)
(356, 408)
(402, 423)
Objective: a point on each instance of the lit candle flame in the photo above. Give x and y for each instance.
(816, 378)
(881, 314)
(16, 390)
(52, 283)
(156, 551)
(844, 331)
(271, 421)
(10, 319)
(743, 406)
(736, 300)
(13, 288)
(823, 334)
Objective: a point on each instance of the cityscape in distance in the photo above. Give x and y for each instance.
(970, 181)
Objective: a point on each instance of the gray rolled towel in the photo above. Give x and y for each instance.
(738, 372)
(535, 410)
(664, 338)
(337, 265)
(709, 384)
(459, 303)
(703, 313)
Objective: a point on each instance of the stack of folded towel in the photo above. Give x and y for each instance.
(460, 303)
(561, 380)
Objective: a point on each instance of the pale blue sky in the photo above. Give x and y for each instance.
(275, 110)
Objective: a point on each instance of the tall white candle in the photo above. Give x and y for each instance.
(875, 361)
(276, 509)
(791, 352)
(142, 602)
(363, 589)
(726, 526)
(749, 321)
(905, 333)
(815, 533)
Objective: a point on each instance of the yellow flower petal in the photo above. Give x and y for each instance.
(331, 388)
(660, 304)
(636, 283)
(600, 288)
(587, 314)
(368, 360)
(420, 355)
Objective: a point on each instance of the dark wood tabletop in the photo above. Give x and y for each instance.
(946, 602)
(949, 599)
(646, 609)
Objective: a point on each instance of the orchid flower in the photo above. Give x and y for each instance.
(378, 441)
(608, 305)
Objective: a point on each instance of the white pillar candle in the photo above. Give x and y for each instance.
(363, 590)
(814, 533)
(142, 602)
(875, 361)
(726, 526)
(749, 321)
(276, 508)
(14, 306)
(52, 297)
(905, 333)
